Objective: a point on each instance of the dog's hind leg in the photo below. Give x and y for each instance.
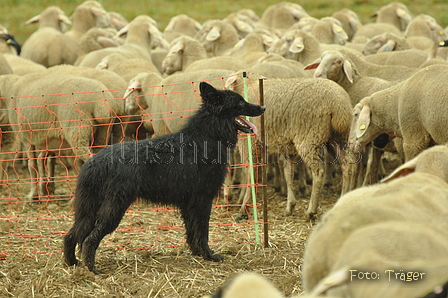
(69, 247)
(108, 217)
(197, 219)
(82, 228)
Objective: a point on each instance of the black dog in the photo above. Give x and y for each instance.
(185, 169)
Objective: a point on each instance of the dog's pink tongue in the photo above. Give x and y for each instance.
(250, 124)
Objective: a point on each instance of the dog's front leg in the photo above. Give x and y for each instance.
(197, 218)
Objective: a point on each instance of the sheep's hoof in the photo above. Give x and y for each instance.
(310, 215)
(289, 208)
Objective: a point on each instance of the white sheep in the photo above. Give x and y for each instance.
(349, 20)
(66, 118)
(180, 25)
(127, 68)
(281, 15)
(248, 285)
(297, 45)
(242, 23)
(389, 260)
(385, 72)
(385, 42)
(142, 35)
(21, 66)
(413, 110)
(297, 126)
(423, 31)
(96, 38)
(87, 15)
(10, 50)
(410, 58)
(420, 197)
(4, 66)
(184, 50)
(253, 46)
(284, 68)
(328, 30)
(48, 45)
(217, 36)
(394, 13)
(218, 62)
(367, 31)
(117, 20)
(338, 67)
(139, 88)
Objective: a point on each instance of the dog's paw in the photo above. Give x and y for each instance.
(216, 258)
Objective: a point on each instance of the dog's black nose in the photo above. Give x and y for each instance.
(263, 108)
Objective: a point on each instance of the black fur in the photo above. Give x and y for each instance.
(185, 169)
(10, 40)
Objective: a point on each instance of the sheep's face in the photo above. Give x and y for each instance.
(362, 130)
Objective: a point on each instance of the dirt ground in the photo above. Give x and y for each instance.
(134, 270)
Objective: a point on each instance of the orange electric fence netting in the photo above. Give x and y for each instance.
(46, 138)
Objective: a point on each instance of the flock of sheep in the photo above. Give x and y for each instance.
(340, 97)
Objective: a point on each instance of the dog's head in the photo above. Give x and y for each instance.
(227, 103)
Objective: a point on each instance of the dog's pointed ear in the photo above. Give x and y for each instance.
(209, 93)
(206, 90)
(211, 97)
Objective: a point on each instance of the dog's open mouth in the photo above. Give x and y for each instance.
(246, 126)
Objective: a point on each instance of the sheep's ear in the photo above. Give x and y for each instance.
(64, 19)
(297, 45)
(373, 14)
(103, 64)
(267, 40)
(123, 31)
(244, 26)
(97, 11)
(339, 33)
(134, 84)
(178, 46)
(389, 46)
(403, 170)
(403, 14)
(34, 19)
(213, 35)
(231, 81)
(363, 121)
(347, 66)
(158, 38)
(313, 64)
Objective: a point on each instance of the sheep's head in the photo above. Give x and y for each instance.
(174, 59)
(332, 65)
(362, 130)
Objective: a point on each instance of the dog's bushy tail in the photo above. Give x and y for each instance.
(86, 204)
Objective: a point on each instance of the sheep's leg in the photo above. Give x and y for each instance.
(302, 168)
(373, 165)
(289, 177)
(328, 177)
(46, 174)
(317, 166)
(33, 170)
(318, 171)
